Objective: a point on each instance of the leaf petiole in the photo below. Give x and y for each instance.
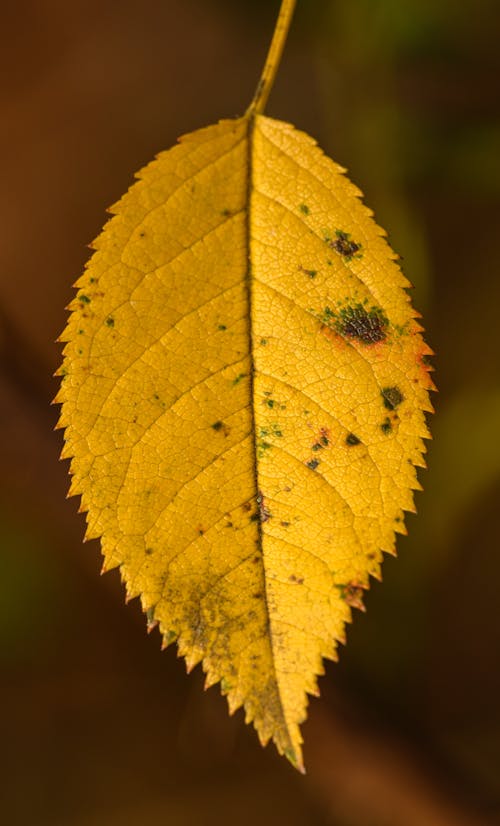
(273, 59)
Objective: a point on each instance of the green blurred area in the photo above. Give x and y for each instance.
(98, 726)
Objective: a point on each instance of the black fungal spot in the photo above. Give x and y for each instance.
(392, 397)
(226, 212)
(386, 426)
(258, 595)
(221, 327)
(284, 524)
(148, 551)
(313, 464)
(304, 209)
(368, 326)
(142, 234)
(344, 245)
(110, 322)
(352, 440)
(217, 425)
(238, 378)
(263, 342)
(317, 447)
(84, 299)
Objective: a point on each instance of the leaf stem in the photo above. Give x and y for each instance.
(273, 59)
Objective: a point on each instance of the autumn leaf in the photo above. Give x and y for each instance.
(243, 396)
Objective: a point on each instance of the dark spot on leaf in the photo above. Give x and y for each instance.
(392, 397)
(263, 342)
(386, 425)
(247, 506)
(352, 593)
(84, 299)
(297, 579)
(313, 464)
(284, 524)
(352, 439)
(264, 512)
(316, 447)
(262, 447)
(258, 595)
(304, 209)
(142, 234)
(225, 212)
(238, 378)
(309, 273)
(368, 326)
(344, 245)
(110, 322)
(148, 551)
(217, 425)
(324, 436)
(221, 327)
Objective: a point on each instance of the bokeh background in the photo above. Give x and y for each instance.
(97, 726)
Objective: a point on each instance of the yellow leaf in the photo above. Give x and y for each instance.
(243, 392)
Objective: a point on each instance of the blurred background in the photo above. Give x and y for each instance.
(98, 727)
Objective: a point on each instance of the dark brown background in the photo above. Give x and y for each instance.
(97, 726)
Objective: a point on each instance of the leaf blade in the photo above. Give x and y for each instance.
(225, 394)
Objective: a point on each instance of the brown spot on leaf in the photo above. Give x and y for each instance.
(367, 326)
(351, 439)
(392, 397)
(352, 593)
(264, 513)
(344, 245)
